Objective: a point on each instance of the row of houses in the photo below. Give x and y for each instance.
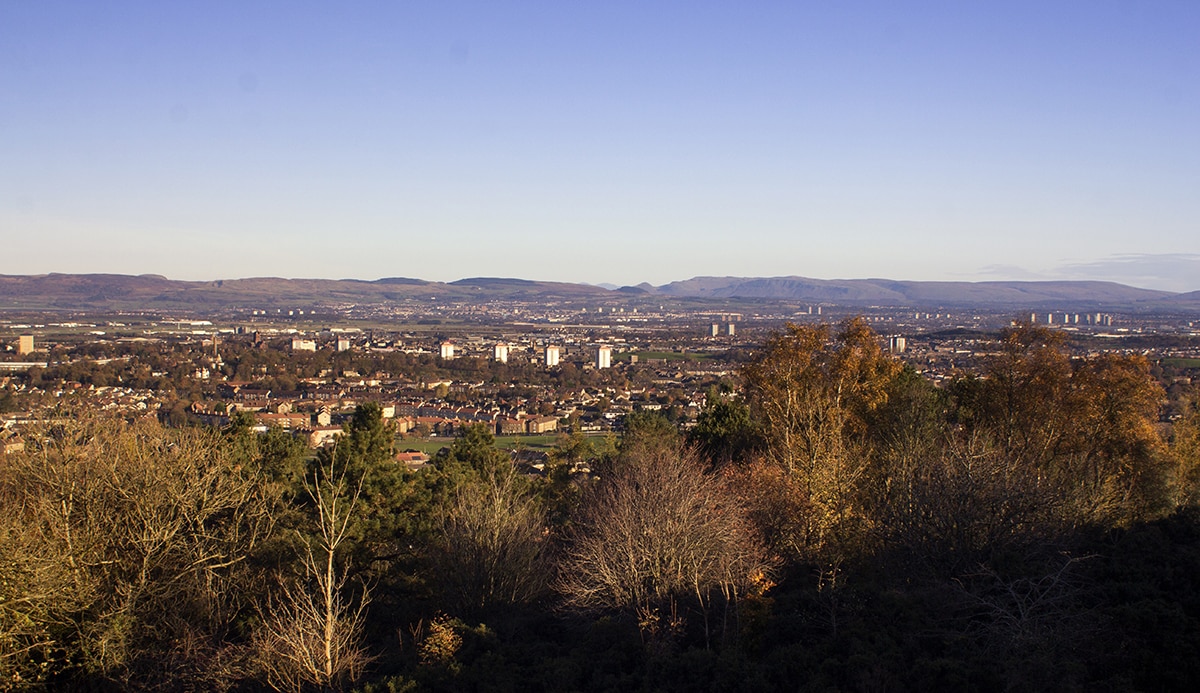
(318, 426)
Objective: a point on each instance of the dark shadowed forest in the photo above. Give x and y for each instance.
(836, 522)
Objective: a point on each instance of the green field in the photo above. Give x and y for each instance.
(544, 441)
(429, 446)
(1181, 363)
(665, 355)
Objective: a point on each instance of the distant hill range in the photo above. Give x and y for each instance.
(153, 292)
(890, 292)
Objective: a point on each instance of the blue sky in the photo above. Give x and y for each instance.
(602, 141)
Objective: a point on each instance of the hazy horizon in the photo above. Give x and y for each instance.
(604, 285)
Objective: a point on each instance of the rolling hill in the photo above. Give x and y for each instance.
(153, 292)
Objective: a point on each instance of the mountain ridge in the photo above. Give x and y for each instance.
(147, 291)
(878, 291)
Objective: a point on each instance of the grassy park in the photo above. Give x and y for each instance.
(432, 444)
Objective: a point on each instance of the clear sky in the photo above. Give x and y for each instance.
(602, 141)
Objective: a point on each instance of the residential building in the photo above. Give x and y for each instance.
(508, 426)
(541, 424)
(412, 459)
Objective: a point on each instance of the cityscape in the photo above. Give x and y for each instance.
(315, 364)
(402, 347)
(460, 419)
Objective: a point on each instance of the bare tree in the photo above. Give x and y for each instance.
(35, 600)
(1026, 624)
(961, 504)
(311, 633)
(491, 548)
(128, 538)
(657, 529)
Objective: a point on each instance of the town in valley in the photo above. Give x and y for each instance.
(522, 368)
